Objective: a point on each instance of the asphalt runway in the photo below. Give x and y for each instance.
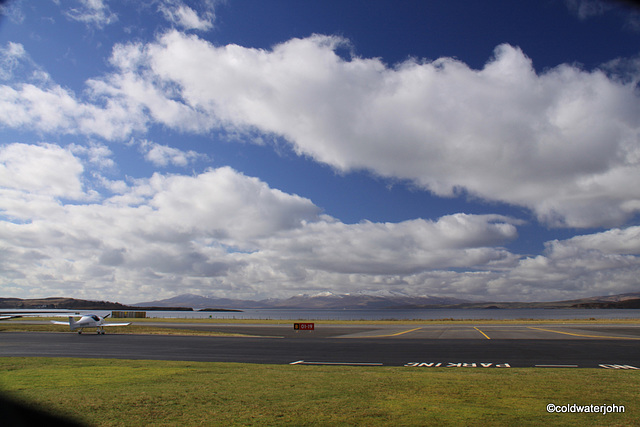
(424, 346)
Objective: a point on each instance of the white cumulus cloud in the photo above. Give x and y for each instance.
(564, 143)
(163, 155)
(408, 247)
(41, 169)
(185, 17)
(10, 58)
(56, 110)
(215, 232)
(224, 233)
(92, 13)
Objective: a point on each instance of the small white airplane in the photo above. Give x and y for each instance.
(89, 321)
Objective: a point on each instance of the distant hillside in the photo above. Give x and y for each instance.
(56, 303)
(200, 302)
(359, 301)
(325, 300)
(614, 298)
(61, 303)
(627, 303)
(608, 301)
(387, 300)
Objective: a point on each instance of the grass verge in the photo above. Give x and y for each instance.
(131, 329)
(105, 392)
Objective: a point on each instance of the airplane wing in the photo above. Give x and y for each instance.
(6, 314)
(17, 316)
(116, 324)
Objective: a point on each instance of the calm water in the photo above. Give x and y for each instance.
(408, 314)
(418, 314)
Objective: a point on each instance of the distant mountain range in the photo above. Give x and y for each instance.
(325, 300)
(389, 300)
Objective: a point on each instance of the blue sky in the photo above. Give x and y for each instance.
(252, 149)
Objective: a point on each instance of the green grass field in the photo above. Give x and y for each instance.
(13, 326)
(105, 392)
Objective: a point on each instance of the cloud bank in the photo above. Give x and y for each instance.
(66, 231)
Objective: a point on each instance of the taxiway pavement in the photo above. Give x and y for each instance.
(473, 346)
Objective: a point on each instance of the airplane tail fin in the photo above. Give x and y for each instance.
(72, 323)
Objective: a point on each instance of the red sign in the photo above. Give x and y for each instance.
(304, 326)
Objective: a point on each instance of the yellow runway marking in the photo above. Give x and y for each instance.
(585, 336)
(404, 332)
(485, 335)
(391, 335)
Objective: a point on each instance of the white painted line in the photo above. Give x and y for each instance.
(302, 362)
(556, 366)
(608, 366)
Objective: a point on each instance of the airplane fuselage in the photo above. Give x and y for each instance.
(88, 321)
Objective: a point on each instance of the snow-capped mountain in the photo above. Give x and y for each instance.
(322, 300)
